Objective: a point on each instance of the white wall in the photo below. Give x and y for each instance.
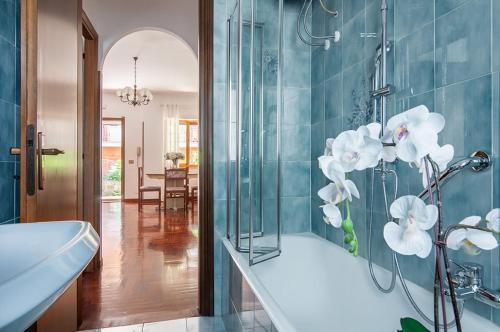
(112, 19)
(152, 116)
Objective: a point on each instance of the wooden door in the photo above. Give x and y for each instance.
(50, 153)
(49, 121)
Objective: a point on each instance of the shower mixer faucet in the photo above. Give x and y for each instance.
(468, 283)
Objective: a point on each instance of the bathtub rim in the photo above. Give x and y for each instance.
(271, 307)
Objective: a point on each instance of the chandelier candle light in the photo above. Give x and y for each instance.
(133, 97)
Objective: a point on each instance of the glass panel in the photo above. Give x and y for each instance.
(253, 126)
(193, 136)
(182, 141)
(111, 158)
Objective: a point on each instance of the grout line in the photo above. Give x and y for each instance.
(450, 11)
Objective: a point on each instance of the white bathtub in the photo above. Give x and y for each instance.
(316, 286)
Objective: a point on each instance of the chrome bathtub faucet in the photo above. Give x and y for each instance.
(468, 283)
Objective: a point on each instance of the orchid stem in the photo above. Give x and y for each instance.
(442, 249)
(350, 237)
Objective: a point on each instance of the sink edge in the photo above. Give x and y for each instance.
(43, 283)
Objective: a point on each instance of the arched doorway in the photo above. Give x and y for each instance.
(150, 255)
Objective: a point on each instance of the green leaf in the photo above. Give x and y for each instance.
(411, 325)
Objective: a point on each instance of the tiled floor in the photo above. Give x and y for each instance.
(150, 268)
(193, 324)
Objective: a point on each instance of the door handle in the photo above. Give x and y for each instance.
(15, 151)
(44, 152)
(52, 152)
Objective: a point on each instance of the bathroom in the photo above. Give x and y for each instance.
(348, 168)
(442, 55)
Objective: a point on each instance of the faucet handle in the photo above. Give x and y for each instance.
(468, 274)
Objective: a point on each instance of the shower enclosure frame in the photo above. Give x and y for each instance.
(256, 254)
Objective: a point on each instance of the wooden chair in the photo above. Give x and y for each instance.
(177, 189)
(194, 196)
(144, 189)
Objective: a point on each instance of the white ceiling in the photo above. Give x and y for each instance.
(165, 63)
(113, 19)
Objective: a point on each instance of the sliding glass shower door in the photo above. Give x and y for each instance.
(254, 126)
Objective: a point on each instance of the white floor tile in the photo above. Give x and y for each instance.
(128, 328)
(205, 324)
(177, 325)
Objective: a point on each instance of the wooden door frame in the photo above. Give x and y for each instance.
(29, 87)
(122, 157)
(206, 222)
(91, 133)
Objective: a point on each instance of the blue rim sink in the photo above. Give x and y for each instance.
(38, 262)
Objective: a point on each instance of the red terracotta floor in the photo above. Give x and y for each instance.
(150, 268)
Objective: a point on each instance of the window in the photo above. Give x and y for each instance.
(188, 142)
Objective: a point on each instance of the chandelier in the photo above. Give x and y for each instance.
(132, 96)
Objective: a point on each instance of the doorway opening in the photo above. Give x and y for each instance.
(113, 158)
(149, 165)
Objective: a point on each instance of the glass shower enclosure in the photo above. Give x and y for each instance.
(254, 102)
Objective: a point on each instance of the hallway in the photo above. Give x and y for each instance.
(150, 268)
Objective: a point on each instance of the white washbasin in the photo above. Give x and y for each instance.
(38, 262)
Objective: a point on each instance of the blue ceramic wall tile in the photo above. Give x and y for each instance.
(333, 97)
(317, 65)
(18, 23)
(220, 137)
(467, 109)
(353, 42)
(295, 214)
(352, 8)
(296, 179)
(318, 19)
(290, 38)
(356, 101)
(9, 109)
(445, 6)
(318, 103)
(8, 114)
(318, 179)
(334, 235)
(8, 21)
(297, 106)
(333, 56)
(410, 15)
(296, 143)
(318, 225)
(7, 71)
(414, 65)
(297, 69)
(460, 54)
(219, 102)
(317, 140)
(7, 191)
(333, 127)
(496, 35)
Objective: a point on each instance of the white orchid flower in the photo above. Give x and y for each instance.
(441, 155)
(356, 150)
(388, 153)
(339, 190)
(471, 240)
(332, 215)
(335, 193)
(493, 220)
(415, 132)
(409, 236)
